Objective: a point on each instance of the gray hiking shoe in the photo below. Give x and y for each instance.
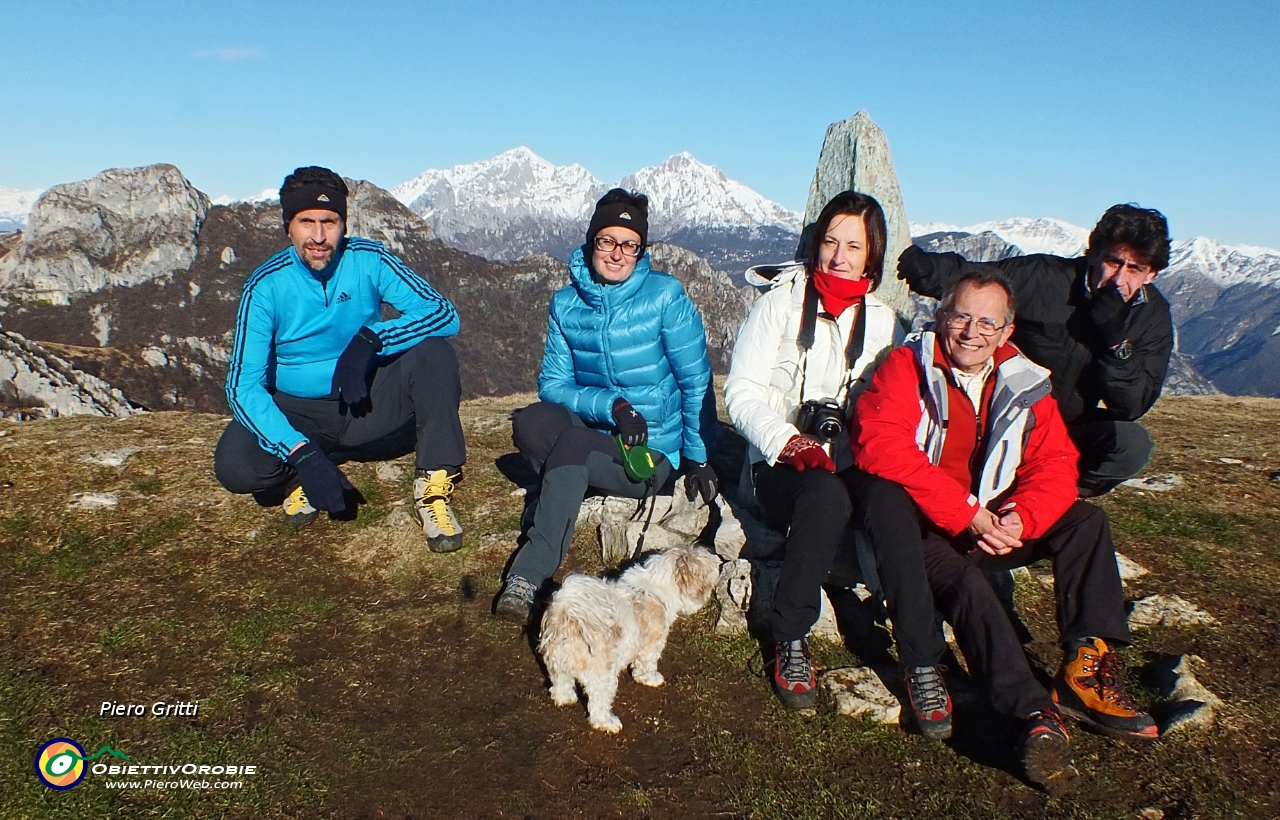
(431, 494)
(515, 602)
(298, 511)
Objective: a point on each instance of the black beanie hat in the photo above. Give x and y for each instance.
(620, 209)
(312, 196)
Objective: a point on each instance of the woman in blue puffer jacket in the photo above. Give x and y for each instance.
(626, 354)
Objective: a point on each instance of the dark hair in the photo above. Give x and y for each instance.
(1143, 229)
(853, 203)
(978, 278)
(313, 175)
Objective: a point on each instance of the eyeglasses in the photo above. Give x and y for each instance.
(986, 327)
(606, 244)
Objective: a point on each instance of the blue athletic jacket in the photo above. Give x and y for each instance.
(641, 340)
(292, 326)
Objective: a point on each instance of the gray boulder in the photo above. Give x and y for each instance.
(123, 227)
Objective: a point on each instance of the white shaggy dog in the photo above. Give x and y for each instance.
(593, 628)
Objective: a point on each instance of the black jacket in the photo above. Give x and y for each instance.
(1054, 329)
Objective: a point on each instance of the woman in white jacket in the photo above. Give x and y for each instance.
(803, 355)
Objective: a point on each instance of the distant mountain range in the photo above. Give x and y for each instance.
(1225, 298)
(519, 203)
(134, 275)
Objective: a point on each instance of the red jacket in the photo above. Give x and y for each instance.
(1026, 461)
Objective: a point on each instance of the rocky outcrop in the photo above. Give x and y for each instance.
(375, 214)
(855, 155)
(37, 384)
(722, 305)
(126, 226)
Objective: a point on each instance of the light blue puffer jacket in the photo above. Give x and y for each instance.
(641, 340)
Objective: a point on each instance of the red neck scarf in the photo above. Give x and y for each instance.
(837, 292)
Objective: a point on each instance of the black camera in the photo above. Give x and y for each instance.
(821, 418)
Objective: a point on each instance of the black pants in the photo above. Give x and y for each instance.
(921, 567)
(1111, 452)
(817, 505)
(413, 407)
(572, 459)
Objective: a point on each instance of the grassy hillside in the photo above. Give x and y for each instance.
(365, 678)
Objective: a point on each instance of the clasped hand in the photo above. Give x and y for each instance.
(996, 535)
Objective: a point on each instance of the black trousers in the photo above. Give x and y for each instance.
(922, 568)
(817, 505)
(413, 407)
(573, 459)
(1111, 452)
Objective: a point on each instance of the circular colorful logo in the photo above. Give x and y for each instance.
(60, 763)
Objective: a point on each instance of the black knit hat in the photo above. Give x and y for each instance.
(620, 209)
(313, 188)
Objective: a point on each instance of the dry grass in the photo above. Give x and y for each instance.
(366, 677)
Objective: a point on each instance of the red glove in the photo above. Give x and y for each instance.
(801, 452)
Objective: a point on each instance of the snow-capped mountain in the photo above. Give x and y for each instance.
(505, 208)
(265, 195)
(15, 205)
(1046, 235)
(1226, 265)
(518, 203)
(686, 193)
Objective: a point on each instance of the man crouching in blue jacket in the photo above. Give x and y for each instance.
(626, 354)
(316, 377)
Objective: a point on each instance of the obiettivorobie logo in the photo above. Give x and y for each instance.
(60, 763)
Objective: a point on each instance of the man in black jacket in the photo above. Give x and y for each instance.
(1099, 325)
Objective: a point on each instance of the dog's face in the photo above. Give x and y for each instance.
(694, 572)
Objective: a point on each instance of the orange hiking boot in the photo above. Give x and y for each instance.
(1088, 689)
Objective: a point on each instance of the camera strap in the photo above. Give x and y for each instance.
(809, 329)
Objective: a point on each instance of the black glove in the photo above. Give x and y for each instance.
(350, 375)
(1108, 310)
(701, 478)
(321, 479)
(631, 425)
(913, 265)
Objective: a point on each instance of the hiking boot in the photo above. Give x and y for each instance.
(515, 602)
(1087, 688)
(930, 703)
(1045, 751)
(298, 511)
(793, 674)
(431, 491)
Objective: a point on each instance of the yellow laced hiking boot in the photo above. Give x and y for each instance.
(1087, 688)
(431, 494)
(298, 511)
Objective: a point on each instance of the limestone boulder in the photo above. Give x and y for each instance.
(857, 691)
(1167, 611)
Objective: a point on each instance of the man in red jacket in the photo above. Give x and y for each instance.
(967, 468)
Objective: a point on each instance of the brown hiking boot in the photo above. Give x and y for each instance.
(1045, 750)
(1088, 689)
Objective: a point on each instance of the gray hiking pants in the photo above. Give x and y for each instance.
(572, 459)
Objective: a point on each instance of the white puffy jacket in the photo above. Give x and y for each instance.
(762, 392)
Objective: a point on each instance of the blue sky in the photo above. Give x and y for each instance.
(992, 109)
